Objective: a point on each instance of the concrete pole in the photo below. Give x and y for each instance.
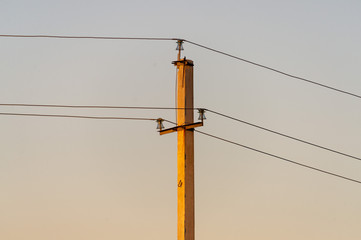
(185, 150)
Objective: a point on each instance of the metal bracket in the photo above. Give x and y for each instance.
(186, 126)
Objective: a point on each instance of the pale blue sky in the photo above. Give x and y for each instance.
(87, 179)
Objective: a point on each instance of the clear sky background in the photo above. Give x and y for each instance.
(104, 179)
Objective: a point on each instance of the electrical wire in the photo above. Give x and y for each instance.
(207, 134)
(89, 106)
(89, 37)
(175, 108)
(190, 42)
(274, 70)
(284, 135)
(281, 158)
(74, 116)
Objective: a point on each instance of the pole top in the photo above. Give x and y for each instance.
(183, 61)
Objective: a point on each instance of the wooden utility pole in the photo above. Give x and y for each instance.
(185, 130)
(185, 150)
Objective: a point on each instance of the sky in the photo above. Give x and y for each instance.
(116, 179)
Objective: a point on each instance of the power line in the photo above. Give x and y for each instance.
(153, 119)
(88, 37)
(190, 42)
(174, 108)
(284, 135)
(76, 116)
(82, 117)
(282, 158)
(274, 70)
(89, 106)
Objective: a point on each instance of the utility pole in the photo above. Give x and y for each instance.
(185, 130)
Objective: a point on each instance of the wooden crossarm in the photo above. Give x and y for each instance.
(186, 126)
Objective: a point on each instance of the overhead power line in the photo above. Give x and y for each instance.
(281, 158)
(74, 116)
(275, 70)
(89, 106)
(154, 119)
(190, 42)
(88, 37)
(285, 135)
(173, 108)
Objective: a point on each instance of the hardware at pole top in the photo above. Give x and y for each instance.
(179, 48)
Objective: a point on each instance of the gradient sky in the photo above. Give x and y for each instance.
(101, 179)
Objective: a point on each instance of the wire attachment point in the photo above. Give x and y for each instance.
(160, 124)
(179, 48)
(201, 112)
(180, 45)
